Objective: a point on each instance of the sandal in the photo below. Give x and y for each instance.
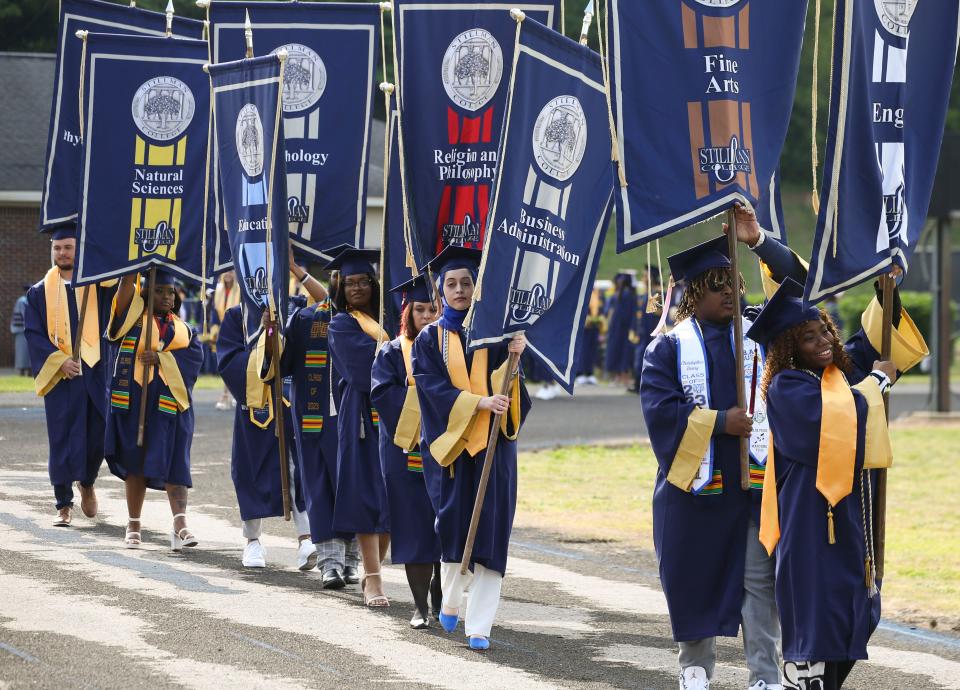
(183, 537)
(376, 601)
(132, 539)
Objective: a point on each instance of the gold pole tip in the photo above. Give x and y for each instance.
(518, 15)
(81, 34)
(386, 6)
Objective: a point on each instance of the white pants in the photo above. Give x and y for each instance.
(484, 599)
(252, 529)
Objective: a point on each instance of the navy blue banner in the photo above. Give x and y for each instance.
(61, 181)
(249, 142)
(333, 50)
(394, 267)
(702, 95)
(770, 210)
(892, 73)
(454, 61)
(551, 205)
(145, 115)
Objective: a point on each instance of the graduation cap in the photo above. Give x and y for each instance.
(164, 278)
(64, 232)
(351, 261)
(452, 258)
(417, 289)
(690, 263)
(781, 313)
(333, 251)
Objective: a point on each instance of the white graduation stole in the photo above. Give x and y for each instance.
(694, 377)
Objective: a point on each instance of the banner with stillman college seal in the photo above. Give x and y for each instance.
(702, 95)
(145, 116)
(62, 167)
(551, 205)
(892, 73)
(454, 61)
(247, 98)
(333, 50)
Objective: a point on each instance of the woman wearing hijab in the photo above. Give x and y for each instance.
(413, 539)
(354, 336)
(454, 388)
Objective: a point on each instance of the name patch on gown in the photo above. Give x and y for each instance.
(167, 404)
(414, 462)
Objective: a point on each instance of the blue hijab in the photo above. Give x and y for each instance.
(452, 319)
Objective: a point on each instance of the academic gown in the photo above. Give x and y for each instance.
(700, 540)
(413, 538)
(454, 488)
(620, 315)
(165, 456)
(361, 503)
(75, 409)
(313, 394)
(255, 456)
(825, 613)
(643, 326)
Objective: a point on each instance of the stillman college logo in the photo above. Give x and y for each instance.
(304, 77)
(163, 108)
(533, 287)
(249, 132)
(725, 162)
(472, 69)
(895, 15)
(560, 137)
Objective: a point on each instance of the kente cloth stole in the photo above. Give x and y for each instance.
(317, 365)
(476, 382)
(694, 374)
(58, 318)
(407, 434)
(128, 368)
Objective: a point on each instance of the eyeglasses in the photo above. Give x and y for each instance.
(719, 285)
(357, 284)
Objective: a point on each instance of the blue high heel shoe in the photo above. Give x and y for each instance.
(449, 621)
(479, 643)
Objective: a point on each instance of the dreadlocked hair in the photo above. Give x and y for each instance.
(700, 286)
(782, 352)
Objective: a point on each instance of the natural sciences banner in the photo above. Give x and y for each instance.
(61, 181)
(249, 143)
(333, 51)
(454, 60)
(892, 73)
(552, 203)
(702, 94)
(146, 114)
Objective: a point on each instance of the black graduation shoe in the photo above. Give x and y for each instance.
(332, 579)
(351, 575)
(419, 621)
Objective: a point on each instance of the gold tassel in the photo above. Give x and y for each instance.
(815, 201)
(831, 534)
(868, 570)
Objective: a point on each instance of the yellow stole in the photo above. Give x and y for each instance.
(169, 370)
(475, 382)
(407, 435)
(369, 325)
(58, 318)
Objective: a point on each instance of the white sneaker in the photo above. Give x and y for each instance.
(592, 381)
(254, 556)
(694, 678)
(763, 685)
(306, 555)
(546, 392)
(581, 380)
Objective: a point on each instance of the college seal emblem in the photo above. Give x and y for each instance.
(895, 15)
(250, 140)
(163, 108)
(472, 69)
(304, 77)
(560, 137)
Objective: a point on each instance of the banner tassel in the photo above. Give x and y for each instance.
(605, 68)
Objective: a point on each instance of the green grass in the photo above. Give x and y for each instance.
(24, 384)
(604, 494)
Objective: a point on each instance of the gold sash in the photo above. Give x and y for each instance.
(369, 326)
(475, 382)
(407, 434)
(58, 318)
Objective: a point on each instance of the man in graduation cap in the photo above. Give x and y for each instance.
(714, 572)
(73, 388)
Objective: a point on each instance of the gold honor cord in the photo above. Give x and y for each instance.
(387, 90)
(603, 39)
(282, 58)
(82, 35)
(206, 173)
(815, 83)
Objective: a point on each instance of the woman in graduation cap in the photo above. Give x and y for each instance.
(354, 337)
(715, 575)
(413, 539)
(455, 388)
(173, 359)
(827, 420)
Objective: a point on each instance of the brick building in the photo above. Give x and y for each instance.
(26, 80)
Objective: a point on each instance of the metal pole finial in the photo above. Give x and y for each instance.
(169, 12)
(587, 22)
(248, 33)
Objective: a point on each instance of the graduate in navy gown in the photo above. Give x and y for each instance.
(354, 336)
(413, 539)
(73, 391)
(829, 429)
(593, 327)
(173, 359)
(455, 388)
(225, 296)
(621, 308)
(645, 322)
(714, 572)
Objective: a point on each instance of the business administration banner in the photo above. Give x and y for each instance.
(145, 115)
(702, 95)
(247, 98)
(333, 51)
(62, 170)
(454, 61)
(893, 69)
(551, 206)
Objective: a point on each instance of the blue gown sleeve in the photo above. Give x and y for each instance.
(665, 407)
(389, 385)
(233, 355)
(190, 360)
(352, 350)
(782, 262)
(862, 354)
(35, 323)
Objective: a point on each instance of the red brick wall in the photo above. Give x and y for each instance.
(24, 259)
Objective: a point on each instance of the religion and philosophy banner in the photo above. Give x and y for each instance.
(62, 170)
(247, 102)
(702, 95)
(146, 104)
(892, 73)
(328, 87)
(551, 205)
(455, 58)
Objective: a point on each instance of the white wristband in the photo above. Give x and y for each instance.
(763, 236)
(306, 278)
(882, 379)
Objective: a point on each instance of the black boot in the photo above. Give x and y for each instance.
(436, 591)
(418, 577)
